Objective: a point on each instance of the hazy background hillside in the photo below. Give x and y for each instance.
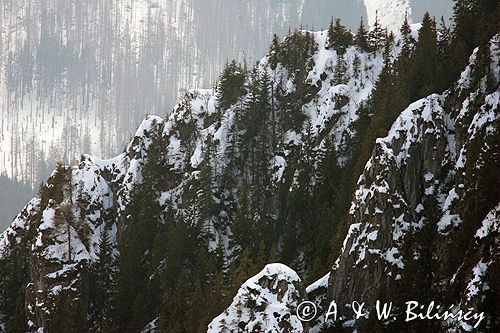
(79, 76)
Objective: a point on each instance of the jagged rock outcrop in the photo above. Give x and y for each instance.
(57, 235)
(424, 216)
(266, 302)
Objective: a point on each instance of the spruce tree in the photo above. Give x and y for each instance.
(274, 52)
(339, 38)
(424, 60)
(408, 40)
(13, 279)
(103, 272)
(231, 85)
(361, 38)
(243, 225)
(443, 77)
(356, 66)
(340, 72)
(376, 36)
(142, 218)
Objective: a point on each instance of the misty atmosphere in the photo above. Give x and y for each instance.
(79, 77)
(222, 166)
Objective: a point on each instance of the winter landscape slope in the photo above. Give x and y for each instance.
(79, 77)
(98, 64)
(412, 208)
(106, 66)
(411, 217)
(93, 197)
(232, 172)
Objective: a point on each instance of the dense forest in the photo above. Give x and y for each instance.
(79, 77)
(260, 169)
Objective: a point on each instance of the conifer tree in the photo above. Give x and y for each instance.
(231, 84)
(356, 66)
(424, 60)
(242, 269)
(443, 77)
(243, 225)
(103, 272)
(142, 218)
(465, 14)
(14, 270)
(299, 220)
(376, 36)
(339, 38)
(340, 71)
(361, 38)
(206, 193)
(274, 52)
(408, 40)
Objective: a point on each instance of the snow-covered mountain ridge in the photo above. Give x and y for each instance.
(411, 217)
(95, 194)
(412, 205)
(214, 156)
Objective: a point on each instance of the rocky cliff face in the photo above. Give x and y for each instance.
(425, 214)
(55, 239)
(54, 244)
(265, 303)
(425, 219)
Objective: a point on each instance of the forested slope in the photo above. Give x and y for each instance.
(263, 169)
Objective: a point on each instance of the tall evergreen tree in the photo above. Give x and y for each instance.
(361, 38)
(424, 60)
(340, 72)
(103, 272)
(142, 218)
(274, 52)
(231, 84)
(339, 38)
(443, 77)
(408, 40)
(376, 36)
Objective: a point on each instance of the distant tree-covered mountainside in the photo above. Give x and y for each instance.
(374, 153)
(78, 77)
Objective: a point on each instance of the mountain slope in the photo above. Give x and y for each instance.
(80, 77)
(106, 66)
(192, 175)
(424, 218)
(424, 208)
(252, 172)
(264, 302)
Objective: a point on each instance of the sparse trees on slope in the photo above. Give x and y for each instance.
(339, 38)
(376, 36)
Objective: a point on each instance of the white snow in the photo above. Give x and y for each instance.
(263, 291)
(280, 164)
(476, 284)
(390, 256)
(490, 224)
(19, 225)
(391, 13)
(320, 283)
